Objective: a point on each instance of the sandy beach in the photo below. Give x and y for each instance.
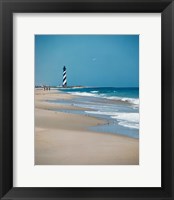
(64, 139)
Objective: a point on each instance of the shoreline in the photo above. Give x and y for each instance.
(63, 138)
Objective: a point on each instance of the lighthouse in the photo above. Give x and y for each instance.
(64, 77)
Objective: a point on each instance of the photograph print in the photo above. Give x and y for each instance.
(86, 100)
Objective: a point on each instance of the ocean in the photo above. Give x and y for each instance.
(119, 107)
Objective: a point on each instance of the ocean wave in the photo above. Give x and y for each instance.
(87, 94)
(134, 101)
(101, 113)
(129, 125)
(129, 100)
(130, 120)
(94, 91)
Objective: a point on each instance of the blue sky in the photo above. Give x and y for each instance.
(91, 60)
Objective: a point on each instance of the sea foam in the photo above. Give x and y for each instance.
(87, 94)
(134, 101)
(130, 120)
(101, 113)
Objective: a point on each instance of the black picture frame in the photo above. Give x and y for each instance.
(7, 8)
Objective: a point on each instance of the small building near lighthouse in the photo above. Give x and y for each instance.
(64, 84)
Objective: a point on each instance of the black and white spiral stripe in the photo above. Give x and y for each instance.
(64, 77)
